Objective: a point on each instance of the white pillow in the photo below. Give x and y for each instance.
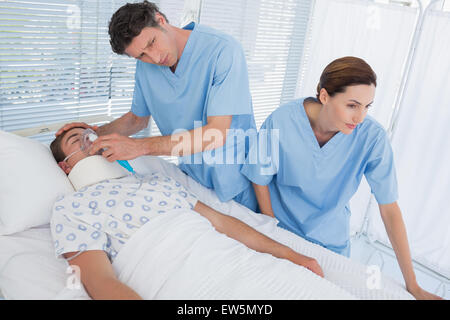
(29, 269)
(30, 181)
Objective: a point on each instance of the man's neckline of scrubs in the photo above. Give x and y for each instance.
(327, 147)
(183, 62)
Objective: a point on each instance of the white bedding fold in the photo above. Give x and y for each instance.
(179, 255)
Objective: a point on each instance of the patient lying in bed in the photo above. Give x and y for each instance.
(90, 226)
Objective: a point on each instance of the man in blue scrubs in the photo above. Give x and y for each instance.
(194, 82)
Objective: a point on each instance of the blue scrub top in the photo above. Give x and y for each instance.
(211, 79)
(310, 186)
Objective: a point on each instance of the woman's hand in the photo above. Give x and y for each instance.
(421, 294)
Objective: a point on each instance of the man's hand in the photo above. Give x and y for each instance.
(73, 125)
(117, 147)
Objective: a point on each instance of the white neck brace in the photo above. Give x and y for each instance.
(94, 169)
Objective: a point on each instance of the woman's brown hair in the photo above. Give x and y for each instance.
(344, 72)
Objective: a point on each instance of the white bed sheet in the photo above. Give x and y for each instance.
(29, 269)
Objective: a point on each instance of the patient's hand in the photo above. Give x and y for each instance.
(307, 262)
(71, 125)
(240, 231)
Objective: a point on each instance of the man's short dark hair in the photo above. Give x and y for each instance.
(128, 22)
(56, 147)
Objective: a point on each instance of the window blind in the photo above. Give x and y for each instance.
(56, 63)
(272, 33)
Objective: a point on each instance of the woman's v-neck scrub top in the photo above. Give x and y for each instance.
(211, 79)
(310, 186)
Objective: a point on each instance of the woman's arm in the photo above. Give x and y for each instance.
(97, 276)
(238, 230)
(263, 197)
(395, 228)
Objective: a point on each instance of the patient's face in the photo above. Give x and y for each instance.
(70, 143)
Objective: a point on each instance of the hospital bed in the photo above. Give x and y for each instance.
(30, 270)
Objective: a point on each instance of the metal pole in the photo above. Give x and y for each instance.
(399, 98)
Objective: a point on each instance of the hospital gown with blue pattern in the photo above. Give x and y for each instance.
(104, 215)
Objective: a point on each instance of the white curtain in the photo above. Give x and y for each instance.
(378, 33)
(272, 33)
(421, 143)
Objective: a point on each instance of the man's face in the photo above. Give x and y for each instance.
(70, 143)
(155, 45)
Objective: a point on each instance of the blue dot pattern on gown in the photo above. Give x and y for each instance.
(104, 215)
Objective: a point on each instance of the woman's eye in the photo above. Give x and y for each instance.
(351, 106)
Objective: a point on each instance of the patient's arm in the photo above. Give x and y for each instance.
(97, 276)
(238, 230)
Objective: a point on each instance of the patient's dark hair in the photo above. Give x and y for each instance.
(55, 146)
(128, 22)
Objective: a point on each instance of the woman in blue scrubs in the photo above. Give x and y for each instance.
(313, 153)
